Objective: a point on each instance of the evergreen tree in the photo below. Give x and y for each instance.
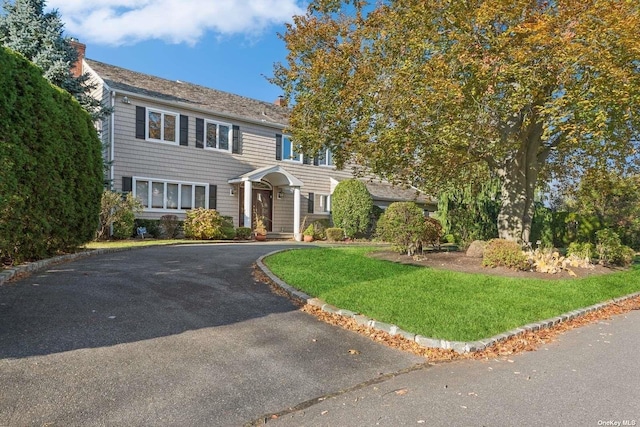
(39, 36)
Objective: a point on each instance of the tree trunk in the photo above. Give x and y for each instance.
(519, 176)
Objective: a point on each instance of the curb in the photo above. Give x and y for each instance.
(8, 274)
(460, 347)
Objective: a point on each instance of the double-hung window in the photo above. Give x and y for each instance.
(157, 194)
(289, 150)
(162, 126)
(325, 158)
(324, 203)
(218, 135)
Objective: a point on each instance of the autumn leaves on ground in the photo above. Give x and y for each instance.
(527, 341)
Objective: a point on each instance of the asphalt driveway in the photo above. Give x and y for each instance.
(177, 335)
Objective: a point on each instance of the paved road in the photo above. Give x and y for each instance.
(589, 377)
(183, 336)
(172, 336)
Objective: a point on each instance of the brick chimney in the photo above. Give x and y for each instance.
(280, 102)
(76, 67)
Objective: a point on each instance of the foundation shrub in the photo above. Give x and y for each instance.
(243, 233)
(334, 234)
(204, 224)
(170, 225)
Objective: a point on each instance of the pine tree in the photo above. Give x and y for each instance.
(39, 36)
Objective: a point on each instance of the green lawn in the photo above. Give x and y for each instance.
(437, 303)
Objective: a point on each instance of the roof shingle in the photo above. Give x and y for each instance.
(201, 97)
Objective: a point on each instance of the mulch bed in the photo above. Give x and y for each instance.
(458, 261)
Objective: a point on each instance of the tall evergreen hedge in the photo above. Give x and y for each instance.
(50, 165)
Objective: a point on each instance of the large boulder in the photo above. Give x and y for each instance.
(476, 249)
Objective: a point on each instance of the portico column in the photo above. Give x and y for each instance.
(248, 193)
(296, 214)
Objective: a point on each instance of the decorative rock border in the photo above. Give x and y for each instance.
(457, 346)
(10, 273)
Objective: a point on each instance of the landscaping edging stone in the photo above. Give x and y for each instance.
(10, 273)
(457, 346)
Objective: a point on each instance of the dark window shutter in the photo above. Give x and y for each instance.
(306, 160)
(315, 161)
(311, 204)
(213, 196)
(184, 130)
(141, 113)
(127, 184)
(235, 144)
(200, 133)
(278, 146)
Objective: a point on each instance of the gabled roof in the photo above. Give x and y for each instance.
(216, 101)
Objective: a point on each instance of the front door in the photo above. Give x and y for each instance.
(262, 204)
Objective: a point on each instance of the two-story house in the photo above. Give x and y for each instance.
(178, 146)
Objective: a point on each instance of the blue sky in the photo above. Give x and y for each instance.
(230, 45)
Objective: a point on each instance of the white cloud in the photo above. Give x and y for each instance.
(120, 22)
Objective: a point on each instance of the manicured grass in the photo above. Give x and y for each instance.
(438, 303)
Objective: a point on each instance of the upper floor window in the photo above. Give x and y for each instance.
(218, 135)
(162, 125)
(325, 158)
(289, 150)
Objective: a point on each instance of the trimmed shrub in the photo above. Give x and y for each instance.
(320, 227)
(170, 225)
(334, 234)
(433, 232)
(51, 177)
(505, 253)
(351, 206)
(204, 224)
(243, 233)
(123, 228)
(403, 225)
(228, 229)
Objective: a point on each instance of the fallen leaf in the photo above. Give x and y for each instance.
(401, 392)
(324, 412)
(352, 351)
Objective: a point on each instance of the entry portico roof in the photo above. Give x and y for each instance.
(275, 175)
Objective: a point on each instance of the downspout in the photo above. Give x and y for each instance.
(112, 142)
(112, 148)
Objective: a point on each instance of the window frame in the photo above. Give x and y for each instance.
(328, 158)
(166, 182)
(163, 113)
(287, 157)
(229, 126)
(324, 203)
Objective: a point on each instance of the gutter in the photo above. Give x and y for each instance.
(184, 105)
